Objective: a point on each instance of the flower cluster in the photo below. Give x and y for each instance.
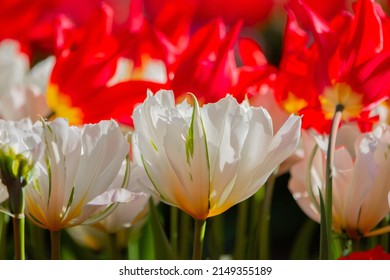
(108, 108)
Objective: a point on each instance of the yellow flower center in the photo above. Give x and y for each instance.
(294, 104)
(61, 104)
(341, 94)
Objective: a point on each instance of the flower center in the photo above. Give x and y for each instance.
(62, 105)
(294, 104)
(341, 94)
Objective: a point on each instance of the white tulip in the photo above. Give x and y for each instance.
(205, 160)
(360, 179)
(71, 182)
(19, 141)
(22, 91)
(20, 149)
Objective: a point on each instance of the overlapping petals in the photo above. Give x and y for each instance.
(205, 160)
(360, 176)
(127, 215)
(72, 180)
(20, 149)
(341, 62)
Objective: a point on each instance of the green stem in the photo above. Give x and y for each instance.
(133, 242)
(113, 246)
(16, 200)
(18, 226)
(200, 227)
(174, 223)
(185, 235)
(255, 202)
(384, 238)
(37, 241)
(145, 247)
(3, 234)
(55, 238)
(326, 252)
(265, 218)
(216, 236)
(133, 250)
(241, 230)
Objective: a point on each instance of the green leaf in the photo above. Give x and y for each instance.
(309, 178)
(4, 219)
(144, 245)
(162, 248)
(190, 137)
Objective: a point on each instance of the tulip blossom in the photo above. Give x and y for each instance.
(20, 149)
(115, 71)
(205, 160)
(255, 76)
(341, 63)
(207, 67)
(22, 91)
(85, 76)
(360, 180)
(71, 182)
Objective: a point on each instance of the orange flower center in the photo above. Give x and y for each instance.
(61, 104)
(341, 94)
(294, 104)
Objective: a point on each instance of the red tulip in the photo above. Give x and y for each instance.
(33, 23)
(207, 67)
(255, 74)
(339, 62)
(81, 87)
(376, 253)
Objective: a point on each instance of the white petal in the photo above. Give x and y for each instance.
(104, 149)
(114, 196)
(40, 74)
(226, 129)
(13, 65)
(187, 155)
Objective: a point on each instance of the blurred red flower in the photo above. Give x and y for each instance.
(230, 11)
(81, 87)
(35, 23)
(344, 61)
(376, 253)
(32, 23)
(327, 9)
(207, 66)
